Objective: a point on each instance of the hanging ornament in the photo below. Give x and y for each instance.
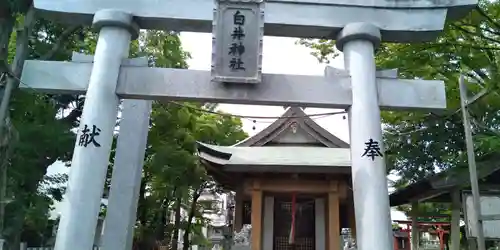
(294, 126)
(291, 240)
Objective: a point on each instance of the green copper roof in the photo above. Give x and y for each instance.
(275, 156)
(293, 143)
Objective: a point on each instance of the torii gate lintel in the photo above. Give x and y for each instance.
(330, 91)
(402, 21)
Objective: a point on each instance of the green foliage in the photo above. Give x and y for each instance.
(40, 139)
(173, 177)
(172, 171)
(16, 6)
(323, 49)
(437, 212)
(163, 49)
(419, 144)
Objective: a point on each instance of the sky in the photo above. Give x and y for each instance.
(280, 56)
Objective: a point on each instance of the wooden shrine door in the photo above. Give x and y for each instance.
(304, 224)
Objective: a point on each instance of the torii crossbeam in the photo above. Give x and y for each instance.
(329, 91)
(416, 20)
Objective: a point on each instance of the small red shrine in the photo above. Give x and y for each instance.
(402, 238)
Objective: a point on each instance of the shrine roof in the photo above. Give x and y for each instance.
(294, 116)
(275, 159)
(292, 144)
(437, 187)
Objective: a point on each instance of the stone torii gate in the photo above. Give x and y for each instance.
(359, 26)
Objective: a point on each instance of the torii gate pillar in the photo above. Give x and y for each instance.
(95, 135)
(371, 198)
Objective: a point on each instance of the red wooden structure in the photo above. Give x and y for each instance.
(423, 225)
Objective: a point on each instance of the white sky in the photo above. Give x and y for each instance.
(281, 56)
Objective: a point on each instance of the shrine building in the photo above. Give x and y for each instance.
(292, 182)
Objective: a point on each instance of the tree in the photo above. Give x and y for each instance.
(38, 128)
(420, 144)
(43, 126)
(434, 142)
(33, 137)
(173, 179)
(173, 176)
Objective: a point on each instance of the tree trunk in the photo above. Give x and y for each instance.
(177, 223)
(143, 239)
(14, 239)
(6, 26)
(446, 239)
(192, 212)
(22, 49)
(141, 210)
(168, 226)
(161, 221)
(24, 33)
(166, 215)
